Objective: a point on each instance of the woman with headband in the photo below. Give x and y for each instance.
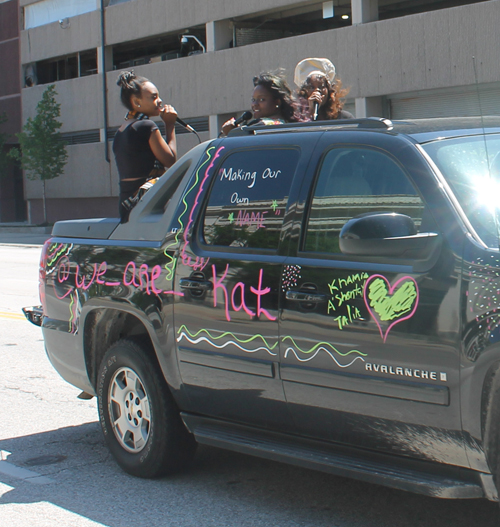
(320, 92)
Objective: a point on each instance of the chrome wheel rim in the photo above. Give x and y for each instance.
(129, 410)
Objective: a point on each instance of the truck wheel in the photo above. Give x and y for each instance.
(138, 415)
(492, 427)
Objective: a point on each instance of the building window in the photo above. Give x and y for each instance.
(309, 18)
(163, 47)
(396, 8)
(69, 67)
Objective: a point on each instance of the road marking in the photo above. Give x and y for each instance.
(14, 316)
(22, 473)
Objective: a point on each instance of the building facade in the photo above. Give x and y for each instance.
(12, 204)
(417, 58)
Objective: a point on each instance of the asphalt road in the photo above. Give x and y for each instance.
(55, 469)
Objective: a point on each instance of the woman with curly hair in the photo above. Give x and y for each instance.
(272, 102)
(141, 152)
(320, 93)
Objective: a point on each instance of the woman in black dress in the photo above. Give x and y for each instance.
(141, 152)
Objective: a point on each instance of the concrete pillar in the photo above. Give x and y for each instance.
(108, 58)
(219, 34)
(369, 107)
(215, 122)
(363, 11)
(108, 62)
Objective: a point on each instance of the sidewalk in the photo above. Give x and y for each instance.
(23, 234)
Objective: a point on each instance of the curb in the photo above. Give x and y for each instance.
(24, 229)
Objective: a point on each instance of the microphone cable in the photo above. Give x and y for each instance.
(188, 127)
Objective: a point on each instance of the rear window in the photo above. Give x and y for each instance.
(249, 197)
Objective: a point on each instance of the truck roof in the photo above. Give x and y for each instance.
(421, 130)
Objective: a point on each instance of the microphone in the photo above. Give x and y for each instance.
(316, 109)
(183, 123)
(188, 127)
(242, 118)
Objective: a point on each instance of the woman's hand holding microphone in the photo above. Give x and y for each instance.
(168, 115)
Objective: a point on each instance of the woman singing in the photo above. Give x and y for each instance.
(320, 92)
(141, 152)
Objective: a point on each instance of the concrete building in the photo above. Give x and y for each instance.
(417, 58)
(12, 204)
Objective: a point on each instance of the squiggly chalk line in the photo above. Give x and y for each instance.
(170, 266)
(199, 262)
(324, 349)
(73, 310)
(194, 338)
(229, 342)
(323, 344)
(241, 341)
(54, 251)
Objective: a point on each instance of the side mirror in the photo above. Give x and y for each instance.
(387, 234)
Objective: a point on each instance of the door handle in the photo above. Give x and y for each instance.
(197, 285)
(306, 296)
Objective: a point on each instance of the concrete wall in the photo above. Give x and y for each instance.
(81, 178)
(427, 51)
(71, 208)
(51, 40)
(10, 85)
(80, 99)
(162, 16)
(84, 179)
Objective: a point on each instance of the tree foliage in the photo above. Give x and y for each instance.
(42, 152)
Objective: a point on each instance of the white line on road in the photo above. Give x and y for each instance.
(22, 473)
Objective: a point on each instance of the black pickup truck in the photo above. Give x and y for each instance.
(326, 294)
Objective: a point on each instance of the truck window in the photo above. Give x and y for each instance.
(354, 181)
(249, 197)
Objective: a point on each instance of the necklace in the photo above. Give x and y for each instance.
(135, 115)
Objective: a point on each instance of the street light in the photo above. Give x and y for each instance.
(184, 40)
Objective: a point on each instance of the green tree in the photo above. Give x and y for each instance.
(42, 152)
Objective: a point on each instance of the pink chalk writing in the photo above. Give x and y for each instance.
(63, 273)
(199, 262)
(240, 288)
(142, 277)
(255, 219)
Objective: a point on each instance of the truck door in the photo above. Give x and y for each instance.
(370, 342)
(228, 272)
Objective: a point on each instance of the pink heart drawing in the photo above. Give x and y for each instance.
(390, 304)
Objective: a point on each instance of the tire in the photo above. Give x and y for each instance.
(139, 418)
(492, 428)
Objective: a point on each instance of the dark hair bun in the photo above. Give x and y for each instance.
(125, 78)
(131, 85)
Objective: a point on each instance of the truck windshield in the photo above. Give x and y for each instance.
(471, 165)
